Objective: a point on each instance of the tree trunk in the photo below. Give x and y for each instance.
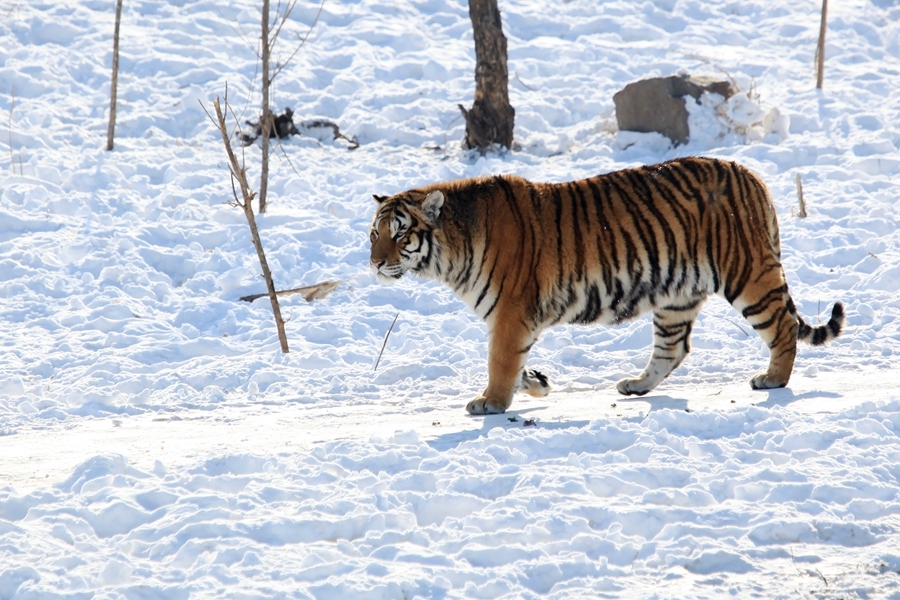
(490, 120)
(820, 48)
(265, 121)
(111, 130)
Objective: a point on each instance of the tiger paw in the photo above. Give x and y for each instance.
(633, 387)
(762, 381)
(486, 406)
(534, 383)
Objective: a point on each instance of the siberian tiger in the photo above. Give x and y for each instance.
(661, 238)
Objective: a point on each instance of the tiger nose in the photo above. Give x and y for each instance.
(377, 262)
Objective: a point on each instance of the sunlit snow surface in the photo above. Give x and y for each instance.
(120, 274)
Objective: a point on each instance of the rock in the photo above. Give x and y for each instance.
(657, 104)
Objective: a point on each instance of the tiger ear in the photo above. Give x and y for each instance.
(379, 199)
(432, 205)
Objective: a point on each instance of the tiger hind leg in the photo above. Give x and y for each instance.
(672, 327)
(775, 318)
(534, 383)
(771, 313)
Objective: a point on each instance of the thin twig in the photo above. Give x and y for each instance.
(794, 562)
(287, 158)
(239, 31)
(383, 345)
(809, 572)
(279, 22)
(268, 40)
(525, 85)
(302, 41)
(243, 35)
(733, 323)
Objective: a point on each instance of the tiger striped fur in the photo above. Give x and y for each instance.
(661, 238)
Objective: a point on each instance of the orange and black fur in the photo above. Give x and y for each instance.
(661, 238)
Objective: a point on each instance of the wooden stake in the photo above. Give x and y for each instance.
(820, 49)
(491, 118)
(110, 134)
(802, 212)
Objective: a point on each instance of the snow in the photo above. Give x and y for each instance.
(154, 441)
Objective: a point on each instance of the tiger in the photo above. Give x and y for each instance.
(526, 256)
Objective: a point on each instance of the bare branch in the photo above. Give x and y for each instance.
(302, 41)
(287, 158)
(239, 173)
(383, 345)
(240, 33)
(237, 201)
(525, 85)
(235, 167)
(317, 291)
(279, 21)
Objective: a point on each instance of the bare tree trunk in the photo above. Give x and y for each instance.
(111, 132)
(266, 118)
(820, 49)
(490, 120)
(239, 173)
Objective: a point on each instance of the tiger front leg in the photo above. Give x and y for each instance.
(508, 346)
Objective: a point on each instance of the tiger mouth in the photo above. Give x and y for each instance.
(391, 272)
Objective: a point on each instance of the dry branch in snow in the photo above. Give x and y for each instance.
(318, 291)
(245, 202)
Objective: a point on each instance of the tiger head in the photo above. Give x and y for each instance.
(402, 233)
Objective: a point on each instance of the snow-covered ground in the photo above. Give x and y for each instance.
(154, 441)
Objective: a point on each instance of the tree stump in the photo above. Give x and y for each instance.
(490, 120)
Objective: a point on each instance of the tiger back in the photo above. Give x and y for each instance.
(661, 238)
